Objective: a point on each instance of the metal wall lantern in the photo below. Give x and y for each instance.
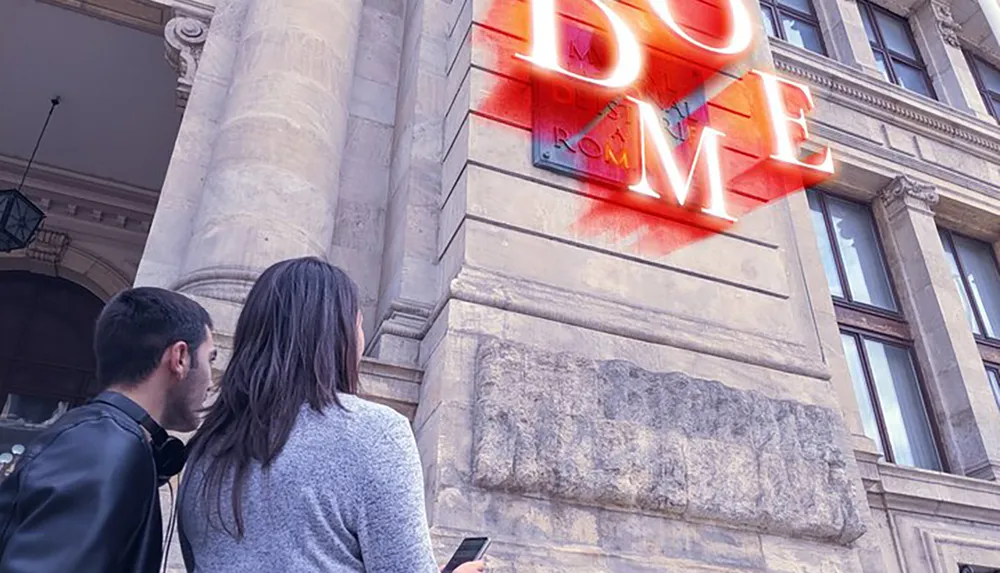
(20, 219)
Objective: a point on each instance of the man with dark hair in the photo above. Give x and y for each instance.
(83, 498)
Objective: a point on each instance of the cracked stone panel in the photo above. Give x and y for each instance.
(612, 434)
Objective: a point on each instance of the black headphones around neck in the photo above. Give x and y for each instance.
(169, 453)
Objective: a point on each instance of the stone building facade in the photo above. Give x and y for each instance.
(814, 391)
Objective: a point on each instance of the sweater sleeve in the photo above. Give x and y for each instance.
(392, 529)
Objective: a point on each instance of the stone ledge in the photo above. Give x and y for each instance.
(392, 385)
(493, 289)
(934, 493)
(608, 433)
(888, 101)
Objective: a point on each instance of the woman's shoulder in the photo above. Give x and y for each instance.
(363, 431)
(362, 417)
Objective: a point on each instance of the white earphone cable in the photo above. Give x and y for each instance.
(171, 524)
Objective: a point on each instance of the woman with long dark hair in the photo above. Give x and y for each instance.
(291, 471)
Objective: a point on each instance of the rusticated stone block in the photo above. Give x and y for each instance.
(609, 433)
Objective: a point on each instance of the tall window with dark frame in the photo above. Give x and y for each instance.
(988, 81)
(993, 376)
(977, 277)
(974, 270)
(876, 337)
(793, 21)
(896, 52)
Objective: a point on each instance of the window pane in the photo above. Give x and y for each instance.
(995, 107)
(825, 248)
(956, 275)
(880, 62)
(981, 273)
(801, 5)
(896, 34)
(34, 410)
(867, 278)
(989, 75)
(991, 374)
(912, 78)
(802, 34)
(768, 16)
(994, 384)
(902, 406)
(861, 392)
(869, 29)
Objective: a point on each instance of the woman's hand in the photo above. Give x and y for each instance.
(470, 567)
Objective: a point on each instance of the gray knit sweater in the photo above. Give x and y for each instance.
(345, 495)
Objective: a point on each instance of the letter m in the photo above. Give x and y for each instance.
(708, 146)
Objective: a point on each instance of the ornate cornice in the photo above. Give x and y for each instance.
(123, 210)
(946, 23)
(840, 82)
(184, 37)
(908, 192)
(139, 14)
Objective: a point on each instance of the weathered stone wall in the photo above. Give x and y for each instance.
(571, 463)
(591, 519)
(610, 433)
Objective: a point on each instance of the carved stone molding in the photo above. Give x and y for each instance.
(48, 246)
(837, 83)
(230, 284)
(121, 209)
(904, 191)
(946, 23)
(184, 37)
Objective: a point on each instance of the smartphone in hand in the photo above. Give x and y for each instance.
(471, 549)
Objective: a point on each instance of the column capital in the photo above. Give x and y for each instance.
(184, 37)
(946, 23)
(904, 192)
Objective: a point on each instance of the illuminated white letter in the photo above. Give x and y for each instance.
(738, 41)
(785, 148)
(545, 45)
(709, 143)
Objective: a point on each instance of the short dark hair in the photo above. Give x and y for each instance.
(137, 326)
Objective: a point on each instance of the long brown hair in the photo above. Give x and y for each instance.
(295, 343)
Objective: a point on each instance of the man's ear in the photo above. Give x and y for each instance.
(178, 358)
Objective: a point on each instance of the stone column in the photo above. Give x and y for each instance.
(946, 350)
(203, 56)
(937, 33)
(271, 188)
(845, 35)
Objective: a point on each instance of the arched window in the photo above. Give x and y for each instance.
(46, 352)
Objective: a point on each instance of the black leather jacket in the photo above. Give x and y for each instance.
(83, 499)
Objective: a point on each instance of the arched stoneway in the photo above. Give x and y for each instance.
(46, 351)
